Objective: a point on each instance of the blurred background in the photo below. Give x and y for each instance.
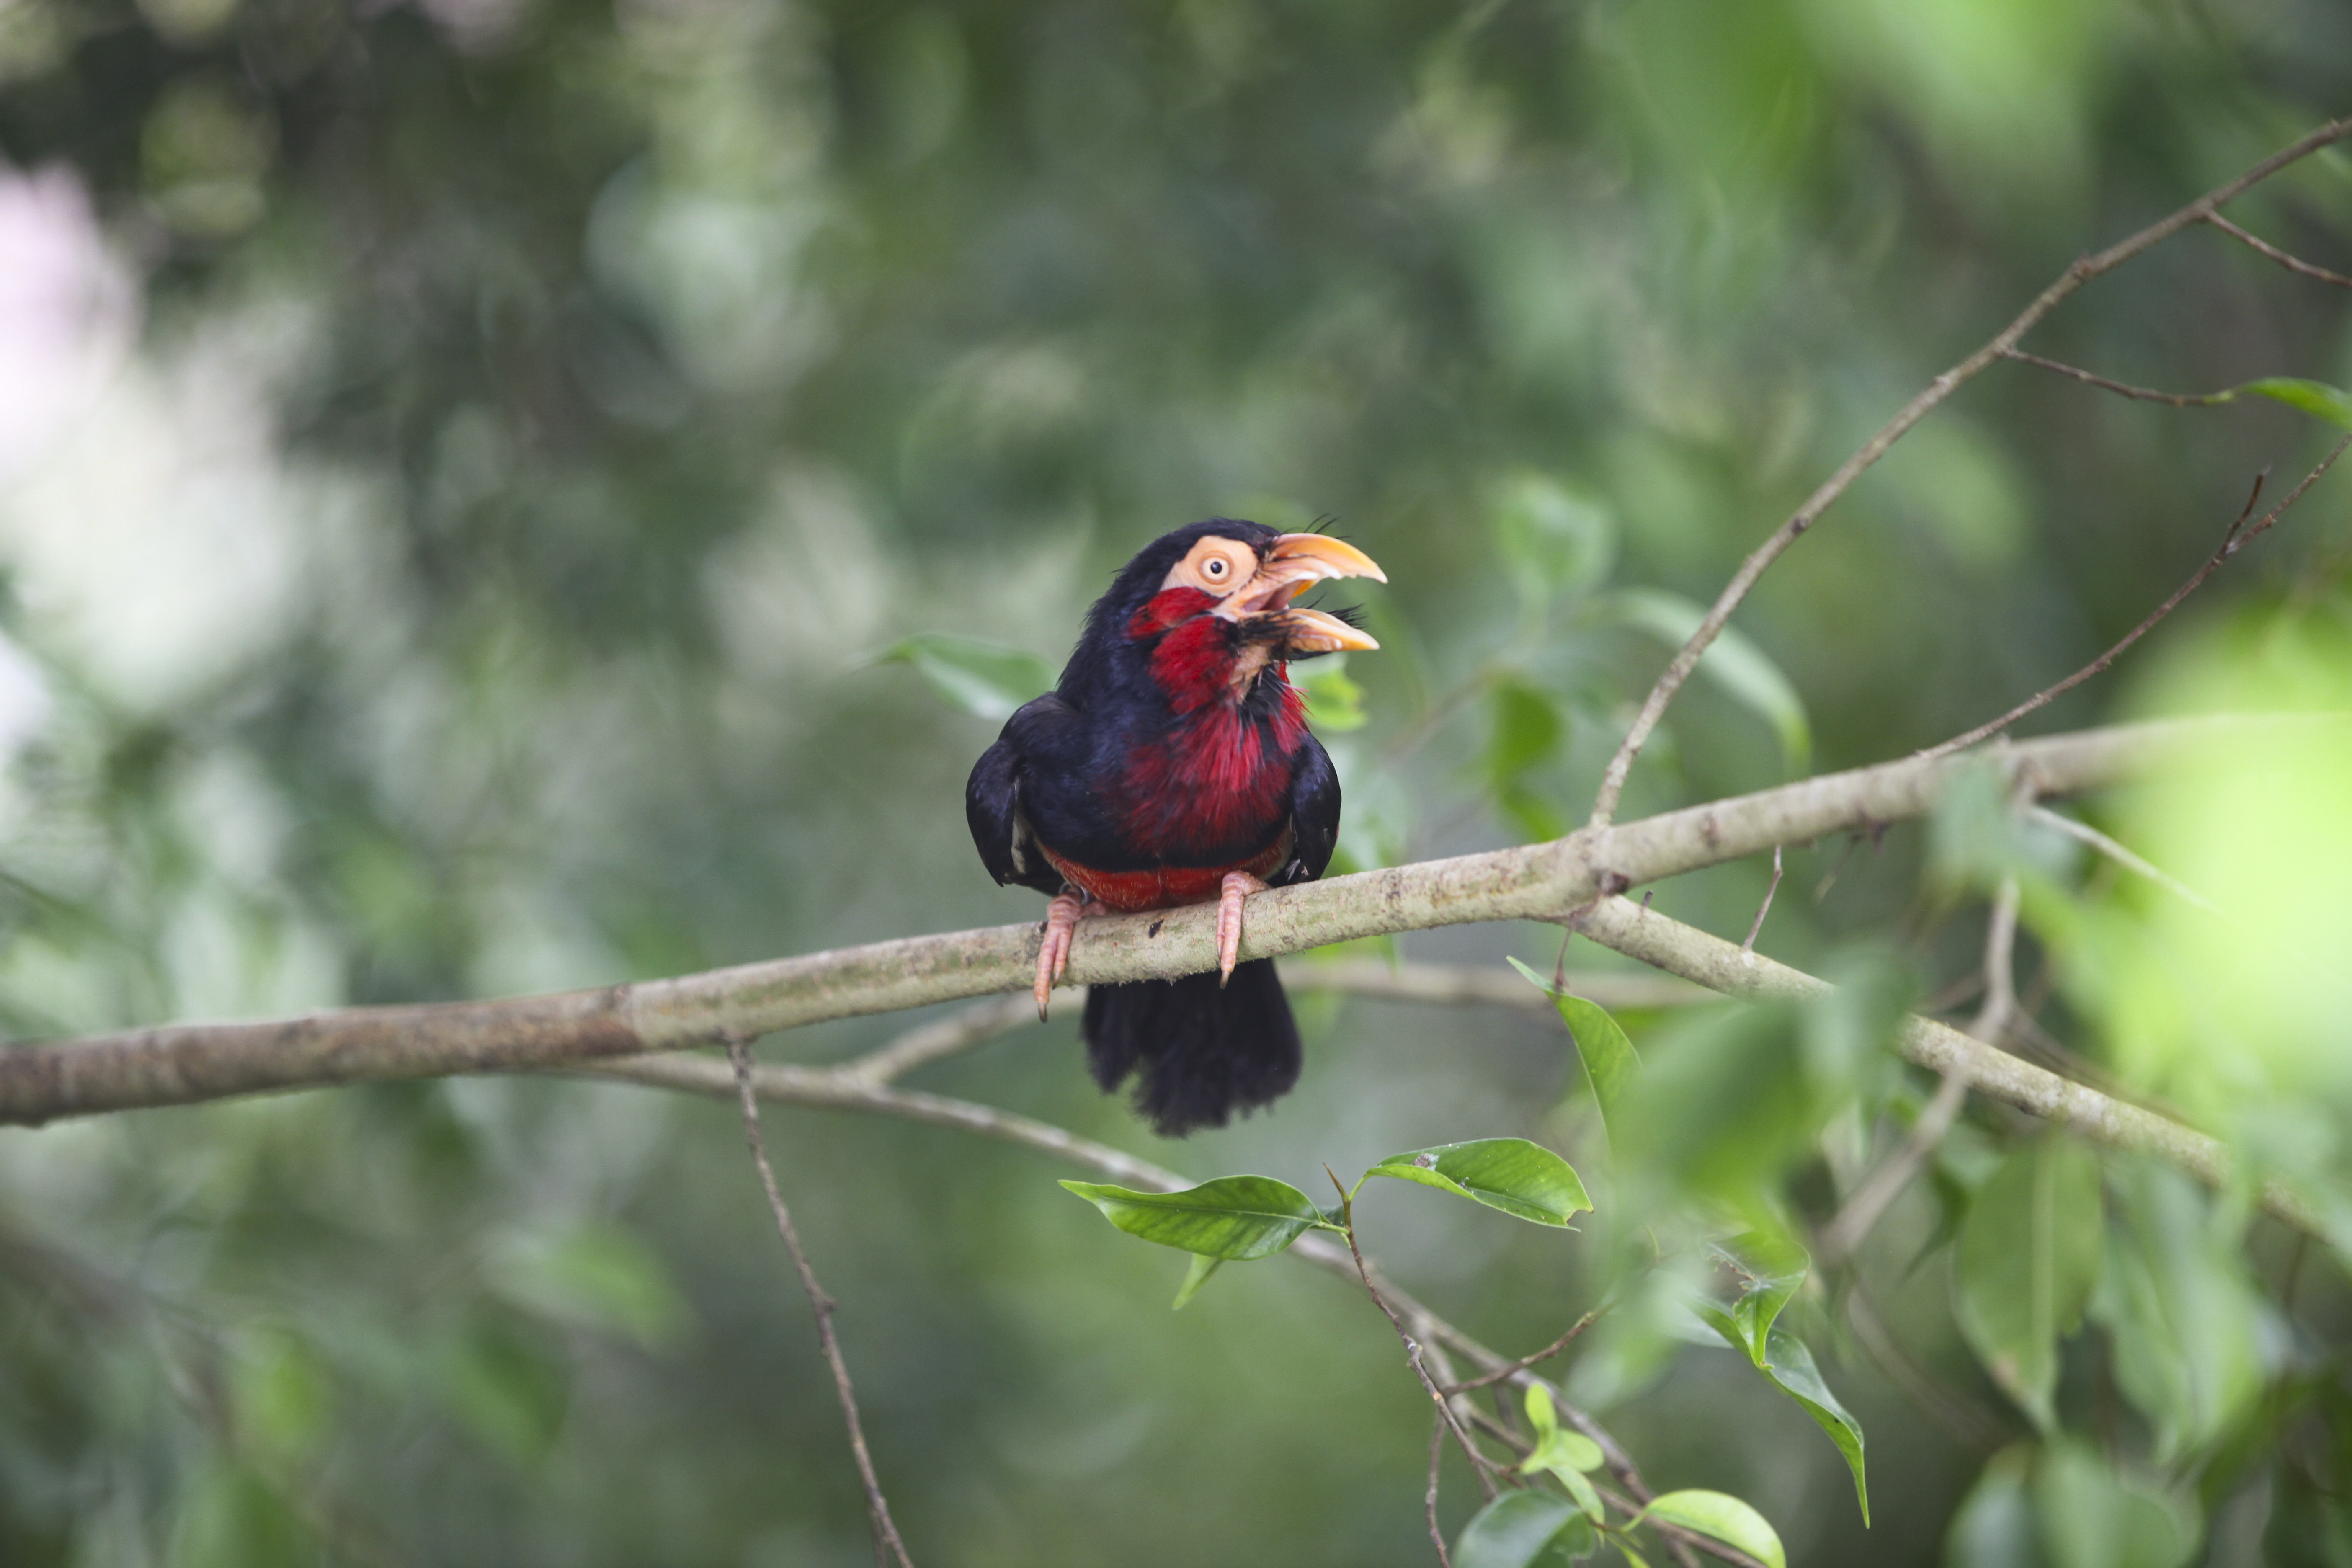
(462, 462)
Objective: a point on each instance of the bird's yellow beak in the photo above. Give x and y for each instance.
(1293, 564)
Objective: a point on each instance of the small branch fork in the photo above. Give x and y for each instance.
(887, 1547)
(2237, 537)
(2204, 209)
(1484, 1467)
(2264, 247)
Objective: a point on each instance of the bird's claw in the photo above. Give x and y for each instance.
(1237, 886)
(1062, 918)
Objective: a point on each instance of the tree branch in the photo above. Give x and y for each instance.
(1678, 670)
(886, 1543)
(2264, 246)
(2237, 537)
(2096, 1118)
(189, 1063)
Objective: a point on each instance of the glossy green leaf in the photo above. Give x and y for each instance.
(1789, 1365)
(1773, 1269)
(1195, 1277)
(2314, 397)
(1736, 666)
(1233, 1218)
(1335, 704)
(1522, 1530)
(985, 679)
(1609, 1058)
(1566, 1454)
(1723, 1517)
(2028, 1258)
(1523, 1179)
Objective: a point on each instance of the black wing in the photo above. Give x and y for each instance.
(992, 807)
(1314, 815)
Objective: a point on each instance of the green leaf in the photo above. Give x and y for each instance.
(2028, 1258)
(1723, 1517)
(1567, 1455)
(1233, 1218)
(1335, 704)
(1609, 1058)
(985, 679)
(1521, 1529)
(1773, 1269)
(1520, 1178)
(1993, 1527)
(2314, 397)
(1789, 1365)
(1736, 666)
(1195, 1278)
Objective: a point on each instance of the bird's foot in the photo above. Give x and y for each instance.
(1237, 886)
(1062, 918)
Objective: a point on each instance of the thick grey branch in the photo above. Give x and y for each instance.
(1719, 965)
(187, 1063)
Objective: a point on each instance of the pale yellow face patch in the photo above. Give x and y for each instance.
(1214, 566)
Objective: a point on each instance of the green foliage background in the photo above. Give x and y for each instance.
(527, 421)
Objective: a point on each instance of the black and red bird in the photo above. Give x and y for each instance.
(1172, 765)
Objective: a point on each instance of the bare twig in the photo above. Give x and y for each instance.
(2125, 388)
(1479, 1464)
(2084, 833)
(942, 1038)
(1764, 908)
(1678, 670)
(886, 1544)
(190, 1063)
(1436, 1451)
(1545, 1354)
(2292, 263)
(2236, 538)
(1844, 1234)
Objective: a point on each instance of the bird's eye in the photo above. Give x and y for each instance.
(1215, 569)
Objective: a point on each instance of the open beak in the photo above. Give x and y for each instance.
(1294, 562)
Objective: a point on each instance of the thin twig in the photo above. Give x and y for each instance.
(886, 1544)
(2084, 833)
(1843, 1234)
(1956, 1413)
(1545, 1354)
(2125, 388)
(2236, 538)
(1678, 670)
(1764, 908)
(2292, 263)
(1436, 1451)
(1479, 1463)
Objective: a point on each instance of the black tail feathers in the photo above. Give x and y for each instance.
(1200, 1053)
